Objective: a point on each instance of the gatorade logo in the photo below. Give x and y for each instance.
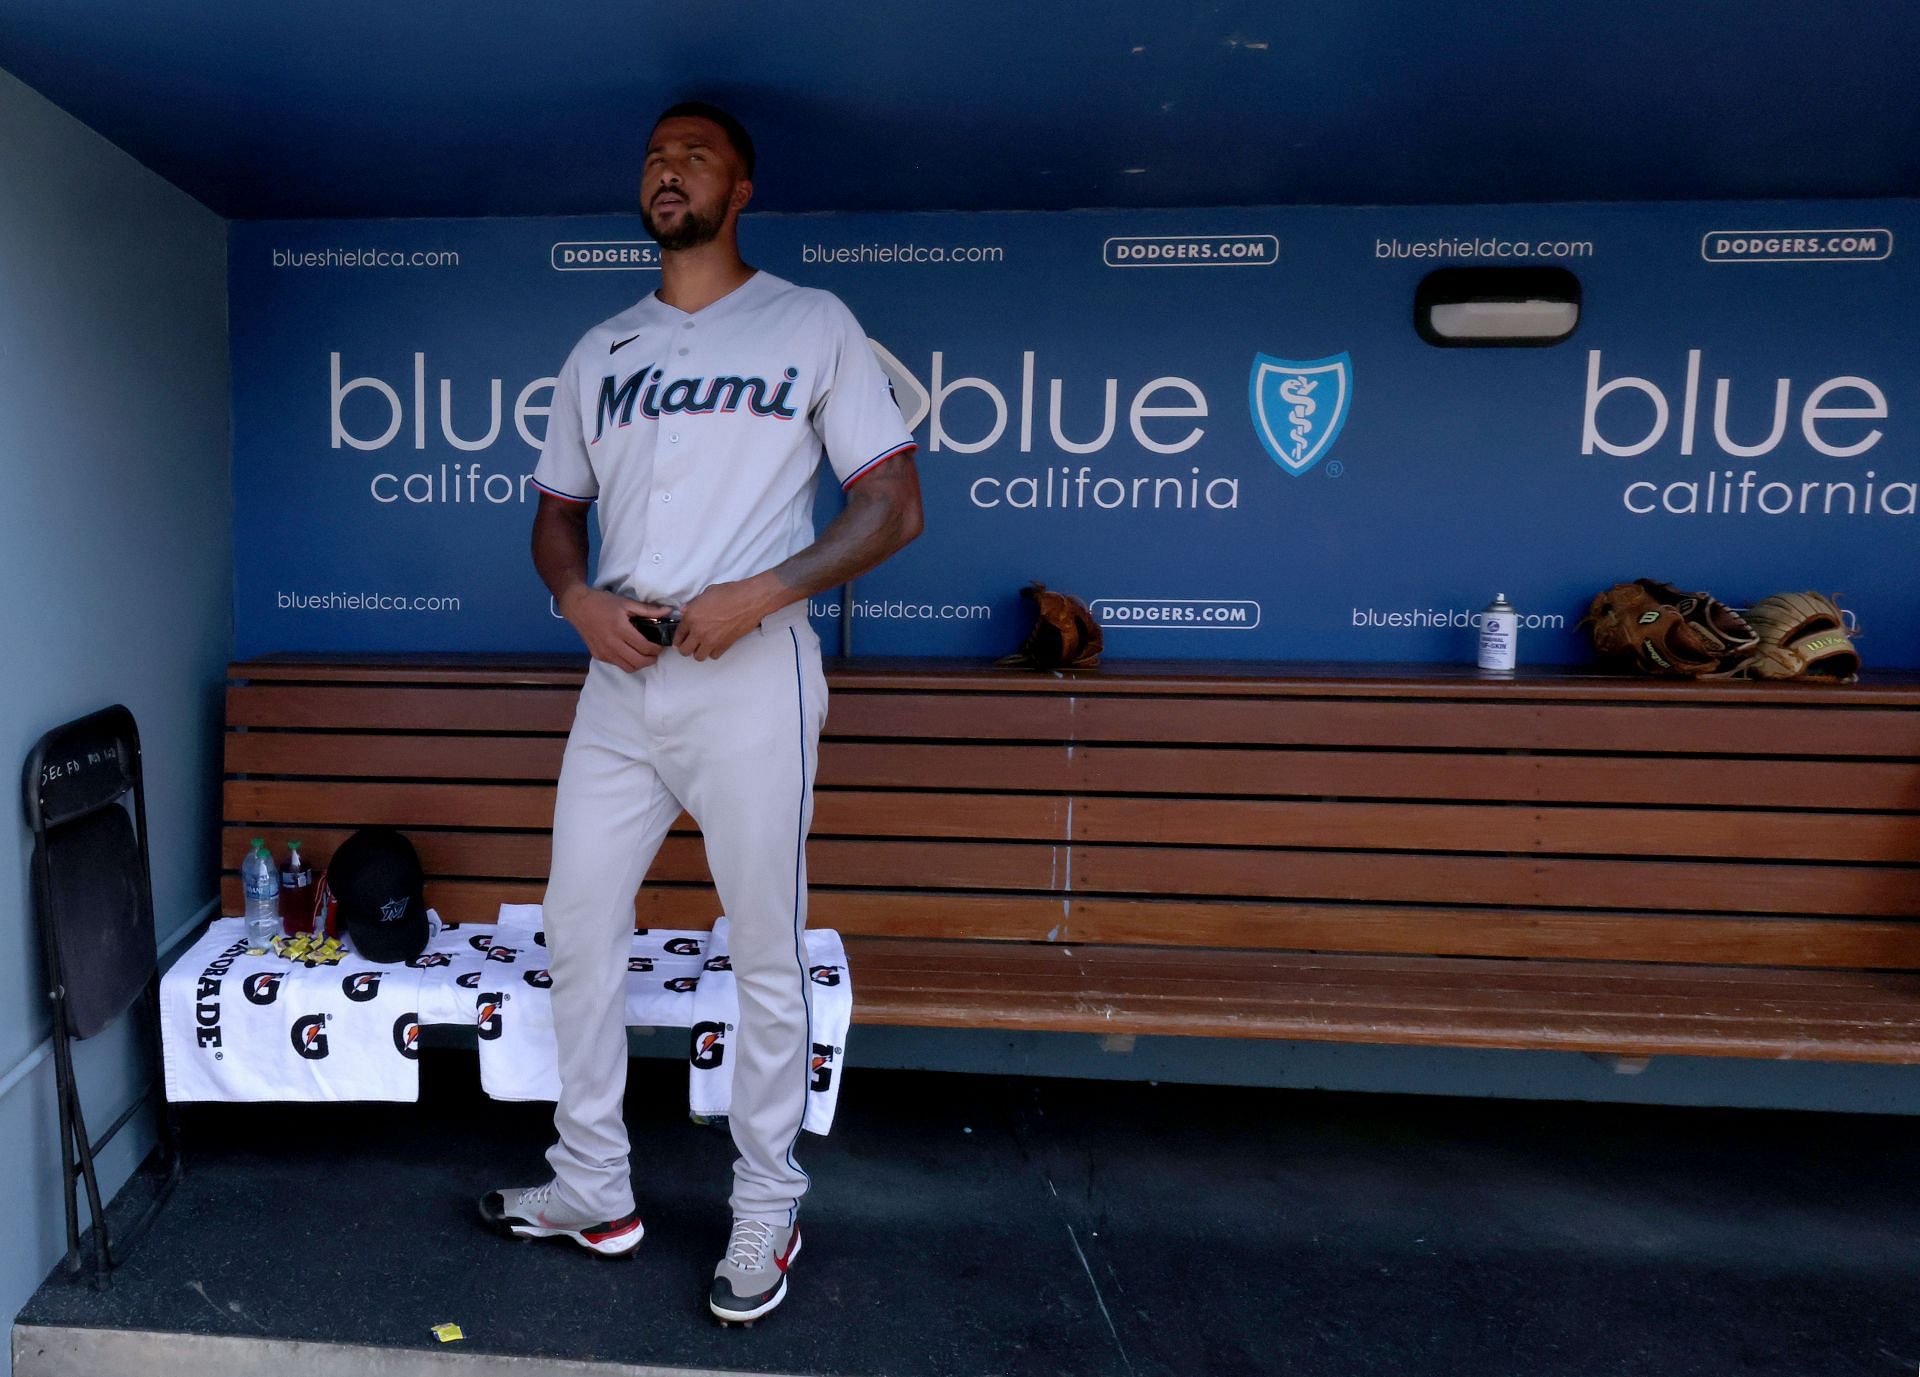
(206, 997)
(540, 980)
(639, 965)
(263, 988)
(487, 1013)
(822, 1065)
(682, 946)
(480, 941)
(683, 984)
(310, 1036)
(406, 1036)
(718, 963)
(497, 953)
(825, 975)
(362, 987)
(709, 1045)
(430, 959)
(540, 938)
(469, 981)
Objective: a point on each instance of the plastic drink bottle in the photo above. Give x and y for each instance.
(260, 878)
(296, 893)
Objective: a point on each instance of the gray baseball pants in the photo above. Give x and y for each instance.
(736, 741)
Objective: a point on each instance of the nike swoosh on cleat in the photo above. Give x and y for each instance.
(616, 348)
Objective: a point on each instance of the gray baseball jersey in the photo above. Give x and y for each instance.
(701, 434)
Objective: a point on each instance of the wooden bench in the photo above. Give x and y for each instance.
(1607, 865)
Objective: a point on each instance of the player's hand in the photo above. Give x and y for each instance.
(601, 619)
(720, 615)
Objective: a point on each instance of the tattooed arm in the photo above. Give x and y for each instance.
(882, 515)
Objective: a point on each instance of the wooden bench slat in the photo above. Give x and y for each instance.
(1551, 933)
(1360, 1024)
(402, 708)
(1013, 716)
(1676, 832)
(851, 812)
(346, 755)
(1017, 1010)
(836, 812)
(1388, 1009)
(1238, 974)
(982, 916)
(682, 859)
(353, 755)
(1635, 729)
(1694, 886)
(1505, 776)
(1538, 1006)
(288, 803)
(951, 765)
(314, 803)
(491, 855)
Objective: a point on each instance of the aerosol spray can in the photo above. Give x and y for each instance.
(1499, 629)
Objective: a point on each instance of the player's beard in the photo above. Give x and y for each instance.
(690, 231)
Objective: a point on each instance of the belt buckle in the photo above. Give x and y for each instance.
(659, 630)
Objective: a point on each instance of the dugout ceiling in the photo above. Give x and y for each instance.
(372, 108)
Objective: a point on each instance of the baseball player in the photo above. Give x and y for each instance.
(697, 419)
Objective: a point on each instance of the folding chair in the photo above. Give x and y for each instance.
(93, 894)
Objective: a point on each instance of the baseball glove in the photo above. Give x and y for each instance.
(1064, 635)
(1802, 635)
(1662, 630)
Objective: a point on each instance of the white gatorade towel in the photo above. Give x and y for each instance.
(237, 1027)
(675, 979)
(512, 1007)
(716, 1006)
(240, 1028)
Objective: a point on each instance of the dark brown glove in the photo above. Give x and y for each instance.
(1662, 630)
(1064, 635)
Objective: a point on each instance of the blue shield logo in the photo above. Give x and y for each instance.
(1298, 408)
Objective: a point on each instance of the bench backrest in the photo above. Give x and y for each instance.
(1177, 805)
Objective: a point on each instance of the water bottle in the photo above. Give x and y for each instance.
(1499, 629)
(260, 877)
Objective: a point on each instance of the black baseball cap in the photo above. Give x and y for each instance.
(376, 880)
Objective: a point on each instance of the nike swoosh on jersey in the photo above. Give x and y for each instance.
(616, 348)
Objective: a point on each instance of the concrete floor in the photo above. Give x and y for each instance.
(971, 1224)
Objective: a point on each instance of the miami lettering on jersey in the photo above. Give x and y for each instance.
(689, 396)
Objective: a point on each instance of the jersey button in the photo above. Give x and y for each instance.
(656, 559)
(683, 349)
(687, 326)
(674, 438)
(666, 497)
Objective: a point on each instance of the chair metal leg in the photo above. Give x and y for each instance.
(83, 1148)
(69, 1104)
